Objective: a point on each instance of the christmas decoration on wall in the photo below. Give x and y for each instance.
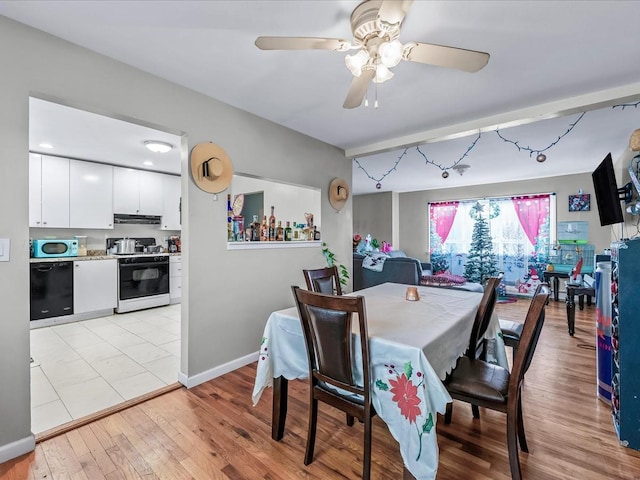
(540, 156)
(459, 167)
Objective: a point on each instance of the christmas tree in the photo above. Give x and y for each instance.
(481, 262)
(439, 263)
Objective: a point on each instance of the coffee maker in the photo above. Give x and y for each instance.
(173, 243)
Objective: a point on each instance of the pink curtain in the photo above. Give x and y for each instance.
(532, 211)
(442, 215)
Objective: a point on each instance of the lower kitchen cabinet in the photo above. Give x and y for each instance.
(95, 285)
(175, 278)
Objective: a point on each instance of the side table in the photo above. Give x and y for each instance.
(572, 291)
(553, 279)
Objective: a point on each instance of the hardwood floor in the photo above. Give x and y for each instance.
(213, 432)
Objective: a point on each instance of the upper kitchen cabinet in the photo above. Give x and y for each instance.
(137, 192)
(90, 195)
(171, 218)
(48, 191)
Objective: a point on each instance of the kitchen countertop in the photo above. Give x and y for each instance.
(102, 256)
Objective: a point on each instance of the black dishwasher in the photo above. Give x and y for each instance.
(51, 289)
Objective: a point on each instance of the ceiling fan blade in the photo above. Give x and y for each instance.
(451, 57)
(358, 89)
(392, 12)
(302, 43)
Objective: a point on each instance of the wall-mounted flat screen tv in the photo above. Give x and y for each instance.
(607, 196)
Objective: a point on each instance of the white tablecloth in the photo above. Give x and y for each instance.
(413, 345)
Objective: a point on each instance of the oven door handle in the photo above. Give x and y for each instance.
(144, 265)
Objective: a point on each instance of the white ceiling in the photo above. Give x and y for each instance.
(88, 136)
(547, 58)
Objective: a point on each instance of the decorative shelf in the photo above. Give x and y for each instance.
(262, 245)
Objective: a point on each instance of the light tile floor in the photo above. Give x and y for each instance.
(83, 367)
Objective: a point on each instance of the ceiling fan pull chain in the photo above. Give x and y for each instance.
(375, 104)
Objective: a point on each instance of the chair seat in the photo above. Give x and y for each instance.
(511, 331)
(479, 379)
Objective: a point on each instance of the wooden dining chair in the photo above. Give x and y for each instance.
(323, 280)
(483, 318)
(477, 344)
(512, 330)
(492, 386)
(326, 324)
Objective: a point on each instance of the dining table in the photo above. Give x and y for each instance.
(413, 345)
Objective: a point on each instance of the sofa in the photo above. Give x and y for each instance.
(398, 268)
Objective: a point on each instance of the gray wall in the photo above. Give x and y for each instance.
(414, 230)
(228, 294)
(373, 213)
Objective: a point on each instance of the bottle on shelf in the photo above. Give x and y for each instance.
(279, 232)
(229, 219)
(238, 228)
(287, 232)
(264, 230)
(255, 229)
(272, 226)
(316, 233)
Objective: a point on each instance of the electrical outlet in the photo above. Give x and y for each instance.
(5, 249)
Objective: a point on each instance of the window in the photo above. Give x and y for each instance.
(478, 238)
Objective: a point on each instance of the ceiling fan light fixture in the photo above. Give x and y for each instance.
(156, 146)
(382, 74)
(390, 53)
(356, 62)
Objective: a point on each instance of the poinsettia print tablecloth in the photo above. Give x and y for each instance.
(413, 345)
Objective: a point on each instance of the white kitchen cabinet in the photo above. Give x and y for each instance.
(90, 195)
(126, 190)
(151, 194)
(35, 190)
(175, 278)
(172, 191)
(136, 192)
(95, 285)
(51, 176)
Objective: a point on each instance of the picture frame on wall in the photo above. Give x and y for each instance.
(580, 203)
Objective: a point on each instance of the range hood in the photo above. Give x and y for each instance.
(121, 218)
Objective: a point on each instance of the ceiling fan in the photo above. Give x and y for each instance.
(376, 27)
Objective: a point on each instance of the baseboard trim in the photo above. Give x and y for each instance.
(212, 373)
(17, 448)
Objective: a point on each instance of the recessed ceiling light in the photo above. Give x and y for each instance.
(158, 146)
(46, 145)
(148, 162)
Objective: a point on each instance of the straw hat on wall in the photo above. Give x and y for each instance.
(634, 141)
(338, 193)
(211, 168)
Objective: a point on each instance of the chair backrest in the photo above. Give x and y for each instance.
(326, 324)
(529, 339)
(483, 317)
(323, 280)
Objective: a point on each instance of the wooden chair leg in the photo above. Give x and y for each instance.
(512, 445)
(476, 411)
(350, 420)
(447, 413)
(521, 436)
(366, 457)
(311, 432)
